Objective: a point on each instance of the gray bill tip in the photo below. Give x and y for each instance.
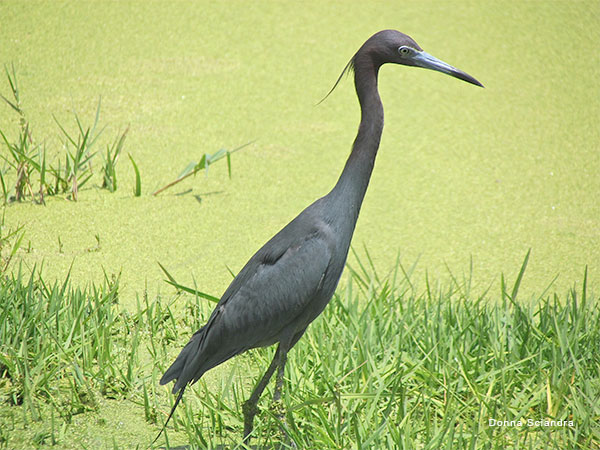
(466, 77)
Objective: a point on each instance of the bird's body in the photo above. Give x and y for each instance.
(254, 311)
(290, 280)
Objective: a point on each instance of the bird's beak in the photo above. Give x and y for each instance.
(425, 60)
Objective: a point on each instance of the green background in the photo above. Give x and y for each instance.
(462, 172)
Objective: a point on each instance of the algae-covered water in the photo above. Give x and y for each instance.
(462, 172)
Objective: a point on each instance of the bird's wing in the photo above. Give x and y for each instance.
(275, 292)
(267, 298)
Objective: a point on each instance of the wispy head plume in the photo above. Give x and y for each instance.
(347, 70)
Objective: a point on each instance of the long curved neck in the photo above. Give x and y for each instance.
(352, 184)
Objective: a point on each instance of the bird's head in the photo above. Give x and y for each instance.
(391, 46)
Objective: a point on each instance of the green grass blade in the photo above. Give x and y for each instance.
(67, 135)
(137, 191)
(229, 164)
(11, 104)
(187, 289)
(515, 289)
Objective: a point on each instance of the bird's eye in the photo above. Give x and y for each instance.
(404, 51)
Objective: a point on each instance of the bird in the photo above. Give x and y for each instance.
(289, 281)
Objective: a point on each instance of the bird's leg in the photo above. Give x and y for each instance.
(279, 379)
(249, 407)
(278, 407)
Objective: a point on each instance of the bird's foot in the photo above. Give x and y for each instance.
(249, 409)
(278, 410)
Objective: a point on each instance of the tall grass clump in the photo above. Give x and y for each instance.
(389, 367)
(78, 154)
(56, 343)
(24, 159)
(389, 364)
(65, 347)
(22, 152)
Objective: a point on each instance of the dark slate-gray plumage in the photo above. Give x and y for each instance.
(290, 280)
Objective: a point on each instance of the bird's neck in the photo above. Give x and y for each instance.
(352, 184)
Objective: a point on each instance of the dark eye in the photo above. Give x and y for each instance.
(404, 51)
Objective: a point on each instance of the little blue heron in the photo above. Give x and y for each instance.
(290, 280)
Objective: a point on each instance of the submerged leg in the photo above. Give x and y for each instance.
(249, 407)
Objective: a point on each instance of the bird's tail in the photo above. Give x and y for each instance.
(177, 400)
(178, 371)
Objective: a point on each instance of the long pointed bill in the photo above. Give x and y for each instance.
(425, 60)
